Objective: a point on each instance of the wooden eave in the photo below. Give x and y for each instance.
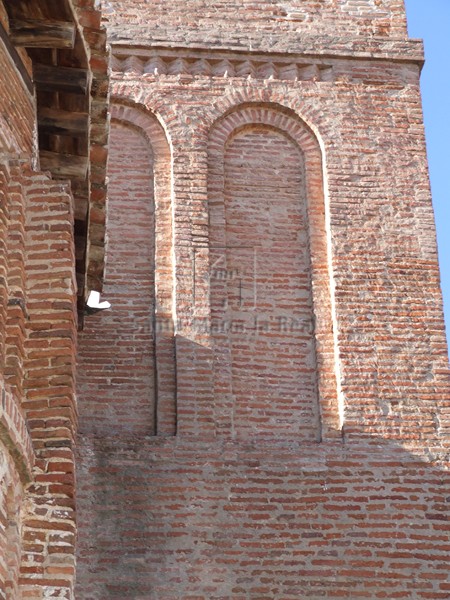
(67, 47)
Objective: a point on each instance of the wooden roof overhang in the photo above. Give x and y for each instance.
(67, 47)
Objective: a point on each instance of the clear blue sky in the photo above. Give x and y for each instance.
(430, 20)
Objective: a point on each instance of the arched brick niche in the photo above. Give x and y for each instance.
(132, 345)
(271, 310)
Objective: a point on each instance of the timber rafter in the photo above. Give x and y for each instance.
(67, 47)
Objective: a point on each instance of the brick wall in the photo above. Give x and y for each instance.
(214, 463)
(37, 415)
(17, 454)
(228, 508)
(38, 324)
(193, 520)
(376, 195)
(236, 19)
(117, 348)
(261, 288)
(49, 528)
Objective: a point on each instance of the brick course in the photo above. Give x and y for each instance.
(233, 20)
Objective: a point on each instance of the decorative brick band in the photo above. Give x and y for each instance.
(185, 63)
(189, 64)
(14, 434)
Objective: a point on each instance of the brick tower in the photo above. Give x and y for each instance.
(263, 413)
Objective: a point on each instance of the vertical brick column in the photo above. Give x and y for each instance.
(16, 306)
(195, 400)
(48, 563)
(11, 544)
(11, 500)
(16, 454)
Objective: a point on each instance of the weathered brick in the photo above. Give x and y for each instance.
(320, 164)
(267, 165)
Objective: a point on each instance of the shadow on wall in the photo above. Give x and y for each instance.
(267, 519)
(218, 512)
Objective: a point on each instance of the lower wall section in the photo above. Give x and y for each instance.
(170, 519)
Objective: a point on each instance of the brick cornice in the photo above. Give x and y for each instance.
(189, 63)
(292, 47)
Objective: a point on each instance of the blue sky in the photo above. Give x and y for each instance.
(430, 20)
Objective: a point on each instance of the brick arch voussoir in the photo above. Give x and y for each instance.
(289, 124)
(148, 123)
(274, 115)
(148, 103)
(270, 97)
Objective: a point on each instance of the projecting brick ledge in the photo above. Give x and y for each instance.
(403, 50)
(193, 63)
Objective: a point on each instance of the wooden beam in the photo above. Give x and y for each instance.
(11, 50)
(64, 166)
(62, 122)
(32, 33)
(61, 79)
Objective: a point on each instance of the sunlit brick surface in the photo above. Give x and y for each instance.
(307, 463)
(237, 18)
